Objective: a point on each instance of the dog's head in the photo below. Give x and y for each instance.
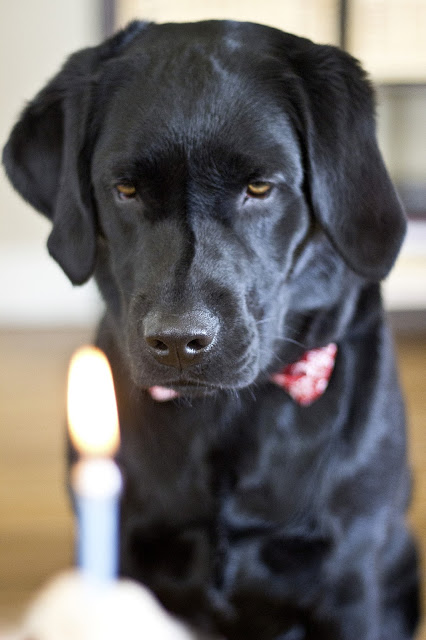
(216, 177)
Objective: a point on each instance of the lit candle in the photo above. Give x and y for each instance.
(96, 478)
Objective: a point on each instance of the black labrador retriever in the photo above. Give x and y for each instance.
(222, 182)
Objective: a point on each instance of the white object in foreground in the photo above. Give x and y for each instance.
(72, 608)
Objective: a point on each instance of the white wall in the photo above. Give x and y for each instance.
(35, 38)
(402, 138)
(402, 131)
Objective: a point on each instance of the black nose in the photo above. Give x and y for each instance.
(180, 341)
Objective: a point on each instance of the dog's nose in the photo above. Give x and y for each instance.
(180, 341)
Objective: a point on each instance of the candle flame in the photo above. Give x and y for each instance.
(92, 409)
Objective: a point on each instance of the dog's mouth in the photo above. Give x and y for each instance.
(180, 389)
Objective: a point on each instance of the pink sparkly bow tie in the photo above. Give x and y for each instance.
(305, 380)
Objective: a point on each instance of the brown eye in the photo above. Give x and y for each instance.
(126, 191)
(258, 189)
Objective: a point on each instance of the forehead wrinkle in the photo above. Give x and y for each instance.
(247, 127)
(185, 94)
(177, 121)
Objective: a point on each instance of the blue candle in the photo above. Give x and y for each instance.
(96, 479)
(97, 486)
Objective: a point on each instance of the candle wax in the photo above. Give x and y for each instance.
(97, 486)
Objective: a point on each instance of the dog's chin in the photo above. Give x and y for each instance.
(187, 390)
(171, 390)
(164, 388)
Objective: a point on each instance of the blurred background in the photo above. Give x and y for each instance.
(43, 318)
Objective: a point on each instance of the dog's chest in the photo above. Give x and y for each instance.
(267, 467)
(226, 515)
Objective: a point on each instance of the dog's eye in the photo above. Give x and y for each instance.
(258, 189)
(125, 191)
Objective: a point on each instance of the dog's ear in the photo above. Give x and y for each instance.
(350, 190)
(47, 157)
(46, 162)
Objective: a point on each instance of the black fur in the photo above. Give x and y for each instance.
(246, 513)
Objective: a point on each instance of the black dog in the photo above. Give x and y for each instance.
(223, 183)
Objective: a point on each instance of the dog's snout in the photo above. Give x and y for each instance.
(180, 341)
